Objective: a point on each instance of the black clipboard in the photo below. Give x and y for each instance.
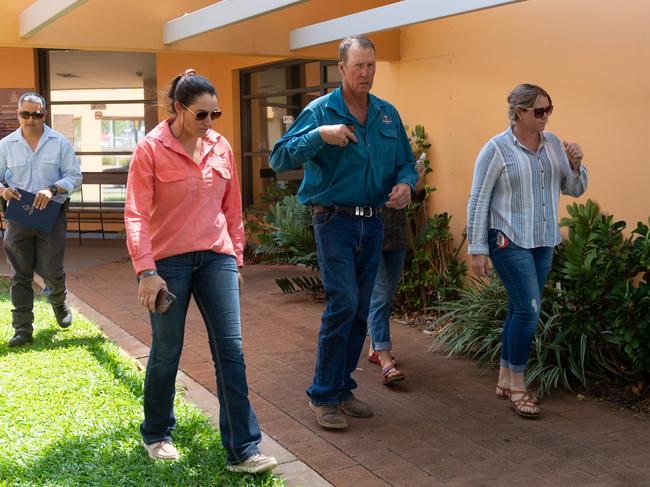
(23, 212)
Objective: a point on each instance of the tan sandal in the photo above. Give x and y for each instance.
(503, 392)
(525, 406)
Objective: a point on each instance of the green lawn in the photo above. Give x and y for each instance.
(70, 409)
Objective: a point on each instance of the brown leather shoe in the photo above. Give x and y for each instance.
(329, 416)
(355, 408)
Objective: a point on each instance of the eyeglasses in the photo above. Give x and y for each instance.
(539, 112)
(202, 114)
(34, 115)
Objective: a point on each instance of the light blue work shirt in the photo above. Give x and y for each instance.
(53, 162)
(360, 174)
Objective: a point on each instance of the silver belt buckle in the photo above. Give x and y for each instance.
(365, 211)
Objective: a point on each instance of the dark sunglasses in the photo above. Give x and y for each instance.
(34, 115)
(539, 112)
(202, 114)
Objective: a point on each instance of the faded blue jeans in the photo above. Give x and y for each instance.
(348, 254)
(212, 279)
(523, 273)
(381, 303)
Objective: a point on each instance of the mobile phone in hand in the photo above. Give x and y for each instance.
(164, 301)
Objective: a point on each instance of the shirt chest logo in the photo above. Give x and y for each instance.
(386, 120)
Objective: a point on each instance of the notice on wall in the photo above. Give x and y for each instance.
(8, 105)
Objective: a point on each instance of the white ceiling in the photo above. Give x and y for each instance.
(97, 69)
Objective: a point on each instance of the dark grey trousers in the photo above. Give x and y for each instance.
(30, 250)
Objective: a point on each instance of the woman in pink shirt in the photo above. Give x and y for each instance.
(185, 234)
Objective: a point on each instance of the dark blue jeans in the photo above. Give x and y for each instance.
(523, 273)
(212, 279)
(381, 303)
(348, 255)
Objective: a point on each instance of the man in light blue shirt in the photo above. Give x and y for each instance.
(357, 159)
(37, 159)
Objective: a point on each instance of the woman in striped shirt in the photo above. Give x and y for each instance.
(512, 217)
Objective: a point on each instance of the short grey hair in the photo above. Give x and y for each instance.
(345, 45)
(32, 97)
(524, 96)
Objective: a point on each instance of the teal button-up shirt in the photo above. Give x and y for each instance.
(360, 174)
(53, 162)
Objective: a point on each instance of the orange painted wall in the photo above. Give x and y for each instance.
(17, 68)
(593, 56)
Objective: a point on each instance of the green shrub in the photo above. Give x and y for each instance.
(594, 325)
(288, 236)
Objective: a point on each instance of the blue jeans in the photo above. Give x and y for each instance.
(348, 255)
(212, 279)
(523, 273)
(381, 303)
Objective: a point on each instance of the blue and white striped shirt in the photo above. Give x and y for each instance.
(516, 191)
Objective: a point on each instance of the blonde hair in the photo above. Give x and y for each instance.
(524, 96)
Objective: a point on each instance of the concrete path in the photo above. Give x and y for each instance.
(443, 426)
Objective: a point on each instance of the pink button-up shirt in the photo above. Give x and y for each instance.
(174, 205)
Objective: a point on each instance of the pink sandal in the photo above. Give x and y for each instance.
(373, 358)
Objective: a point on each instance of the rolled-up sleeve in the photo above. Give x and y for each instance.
(573, 184)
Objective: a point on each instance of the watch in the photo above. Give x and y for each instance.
(54, 189)
(144, 274)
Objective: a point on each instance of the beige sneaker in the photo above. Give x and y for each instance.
(257, 463)
(329, 417)
(355, 408)
(161, 450)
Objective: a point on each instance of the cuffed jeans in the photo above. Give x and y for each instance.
(30, 250)
(381, 303)
(523, 273)
(212, 279)
(348, 255)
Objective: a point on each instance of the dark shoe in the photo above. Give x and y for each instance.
(63, 315)
(355, 408)
(329, 417)
(20, 339)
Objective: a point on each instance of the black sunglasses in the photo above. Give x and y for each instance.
(539, 112)
(34, 115)
(202, 114)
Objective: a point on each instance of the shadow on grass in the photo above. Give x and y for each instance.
(115, 457)
(103, 350)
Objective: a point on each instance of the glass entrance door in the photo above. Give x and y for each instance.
(272, 96)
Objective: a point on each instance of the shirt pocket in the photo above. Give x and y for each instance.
(173, 185)
(387, 144)
(50, 168)
(218, 177)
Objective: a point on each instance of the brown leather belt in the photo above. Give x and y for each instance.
(362, 211)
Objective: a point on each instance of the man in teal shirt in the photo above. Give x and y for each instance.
(357, 159)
